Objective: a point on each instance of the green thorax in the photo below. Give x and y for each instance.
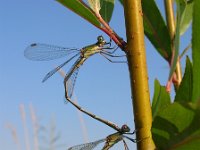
(90, 50)
(94, 48)
(112, 140)
(116, 137)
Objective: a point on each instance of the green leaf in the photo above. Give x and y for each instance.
(185, 50)
(184, 93)
(95, 5)
(82, 10)
(155, 28)
(181, 4)
(186, 18)
(107, 9)
(177, 127)
(161, 98)
(121, 1)
(196, 51)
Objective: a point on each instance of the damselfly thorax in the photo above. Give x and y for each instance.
(44, 52)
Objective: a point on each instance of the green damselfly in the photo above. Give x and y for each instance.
(110, 140)
(44, 52)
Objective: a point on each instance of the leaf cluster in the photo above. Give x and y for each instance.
(176, 123)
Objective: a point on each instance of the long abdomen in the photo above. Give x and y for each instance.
(75, 66)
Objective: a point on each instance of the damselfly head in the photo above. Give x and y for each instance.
(100, 40)
(125, 128)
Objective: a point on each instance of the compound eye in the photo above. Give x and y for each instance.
(100, 38)
(125, 128)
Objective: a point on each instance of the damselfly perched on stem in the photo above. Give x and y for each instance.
(110, 140)
(43, 52)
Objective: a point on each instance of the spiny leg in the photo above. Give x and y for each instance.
(111, 55)
(125, 145)
(109, 43)
(111, 48)
(112, 60)
(132, 140)
(132, 132)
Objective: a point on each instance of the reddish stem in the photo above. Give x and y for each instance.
(107, 29)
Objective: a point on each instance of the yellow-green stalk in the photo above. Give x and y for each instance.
(169, 11)
(138, 73)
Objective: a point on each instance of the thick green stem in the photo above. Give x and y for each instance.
(138, 73)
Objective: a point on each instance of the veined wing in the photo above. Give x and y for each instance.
(71, 83)
(41, 52)
(71, 76)
(87, 146)
(57, 68)
(111, 140)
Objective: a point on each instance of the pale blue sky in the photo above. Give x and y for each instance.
(101, 87)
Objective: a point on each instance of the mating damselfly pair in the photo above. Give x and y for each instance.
(41, 52)
(110, 140)
(44, 52)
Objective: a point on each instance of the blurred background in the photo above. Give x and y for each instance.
(33, 114)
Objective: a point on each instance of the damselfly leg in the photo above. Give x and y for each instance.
(41, 52)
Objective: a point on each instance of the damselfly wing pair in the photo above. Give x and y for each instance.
(110, 140)
(44, 52)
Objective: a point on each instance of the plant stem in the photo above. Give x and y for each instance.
(171, 27)
(107, 29)
(136, 56)
(26, 132)
(170, 17)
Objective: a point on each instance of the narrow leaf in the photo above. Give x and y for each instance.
(121, 1)
(160, 99)
(184, 93)
(181, 4)
(155, 28)
(196, 51)
(185, 50)
(106, 11)
(95, 5)
(186, 18)
(82, 10)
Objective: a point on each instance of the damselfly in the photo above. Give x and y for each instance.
(110, 140)
(43, 52)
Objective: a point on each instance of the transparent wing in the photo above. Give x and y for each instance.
(111, 140)
(41, 52)
(57, 68)
(71, 83)
(87, 146)
(70, 78)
